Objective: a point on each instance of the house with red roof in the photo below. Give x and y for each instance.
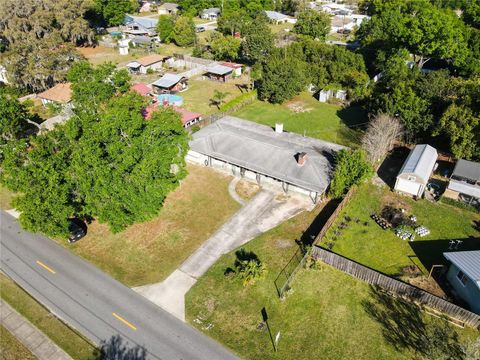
(141, 89)
(188, 118)
(237, 68)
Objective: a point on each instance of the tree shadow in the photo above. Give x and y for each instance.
(117, 349)
(244, 255)
(404, 327)
(392, 164)
(353, 116)
(243, 87)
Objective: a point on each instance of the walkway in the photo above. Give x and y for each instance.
(263, 212)
(37, 342)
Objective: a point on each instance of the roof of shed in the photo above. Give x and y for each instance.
(260, 149)
(420, 162)
(150, 59)
(467, 169)
(220, 70)
(275, 15)
(167, 80)
(60, 93)
(468, 262)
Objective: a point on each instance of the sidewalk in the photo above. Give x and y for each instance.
(38, 343)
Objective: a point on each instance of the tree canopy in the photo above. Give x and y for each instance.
(184, 31)
(314, 24)
(165, 28)
(113, 11)
(106, 162)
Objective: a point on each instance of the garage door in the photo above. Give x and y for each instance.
(409, 187)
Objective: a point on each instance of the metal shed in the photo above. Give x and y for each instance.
(416, 170)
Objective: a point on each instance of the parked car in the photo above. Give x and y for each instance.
(200, 29)
(344, 31)
(77, 230)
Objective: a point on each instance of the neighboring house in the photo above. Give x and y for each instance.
(247, 149)
(210, 14)
(336, 9)
(237, 68)
(416, 170)
(219, 72)
(276, 17)
(141, 89)
(145, 41)
(59, 94)
(152, 62)
(168, 9)
(464, 276)
(3, 75)
(138, 25)
(170, 84)
(188, 118)
(465, 182)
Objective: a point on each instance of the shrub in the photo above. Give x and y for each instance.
(248, 267)
(458, 204)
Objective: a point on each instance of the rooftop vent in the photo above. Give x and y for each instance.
(301, 158)
(279, 128)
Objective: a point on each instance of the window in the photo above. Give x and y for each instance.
(461, 276)
(412, 178)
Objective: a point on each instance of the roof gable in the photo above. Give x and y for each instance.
(420, 162)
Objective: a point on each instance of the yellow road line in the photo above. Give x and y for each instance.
(124, 321)
(45, 267)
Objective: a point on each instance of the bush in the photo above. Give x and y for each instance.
(248, 267)
(458, 204)
(238, 102)
(150, 71)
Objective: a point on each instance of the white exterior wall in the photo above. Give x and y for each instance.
(155, 67)
(409, 187)
(3, 75)
(230, 169)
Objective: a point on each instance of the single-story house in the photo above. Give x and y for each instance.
(138, 25)
(416, 170)
(141, 89)
(237, 68)
(465, 182)
(336, 9)
(3, 75)
(59, 94)
(258, 152)
(168, 9)
(219, 72)
(153, 62)
(464, 276)
(210, 14)
(170, 83)
(276, 17)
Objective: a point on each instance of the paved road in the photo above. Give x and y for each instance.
(99, 307)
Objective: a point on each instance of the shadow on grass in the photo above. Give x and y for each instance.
(116, 349)
(391, 166)
(404, 327)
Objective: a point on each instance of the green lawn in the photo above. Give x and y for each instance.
(6, 197)
(11, 348)
(329, 315)
(197, 97)
(362, 240)
(69, 340)
(148, 252)
(319, 120)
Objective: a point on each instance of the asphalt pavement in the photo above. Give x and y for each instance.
(96, 305)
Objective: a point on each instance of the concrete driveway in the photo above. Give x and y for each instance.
(263, 212)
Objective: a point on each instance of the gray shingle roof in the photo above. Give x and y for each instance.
(467, 169)
(219, 70)
(420, 162)
(260, 149)
(167, 81)
(211, 11)
(147, 23)
(468, 262)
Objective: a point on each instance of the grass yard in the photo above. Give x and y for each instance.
(148, 252)
(305, 115)
(364, 241)
(101, 54)
(11, 348)
(329, 315)
(70, 341)
(197, 97)
(6, 197)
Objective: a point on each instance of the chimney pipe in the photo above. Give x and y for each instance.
(279, 128)
(301, 158)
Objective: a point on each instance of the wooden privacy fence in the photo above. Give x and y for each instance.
(331, 219)
(397, 287)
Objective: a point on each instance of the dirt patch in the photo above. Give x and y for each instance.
(424, 283)
(298, 107)
(246, 189)
(283, 243)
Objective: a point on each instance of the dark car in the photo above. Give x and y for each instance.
(77, 230)
(200, 29)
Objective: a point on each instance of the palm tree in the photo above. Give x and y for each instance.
(218, 98)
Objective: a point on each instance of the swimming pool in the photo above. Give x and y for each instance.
(116, 33)
(170, 99)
